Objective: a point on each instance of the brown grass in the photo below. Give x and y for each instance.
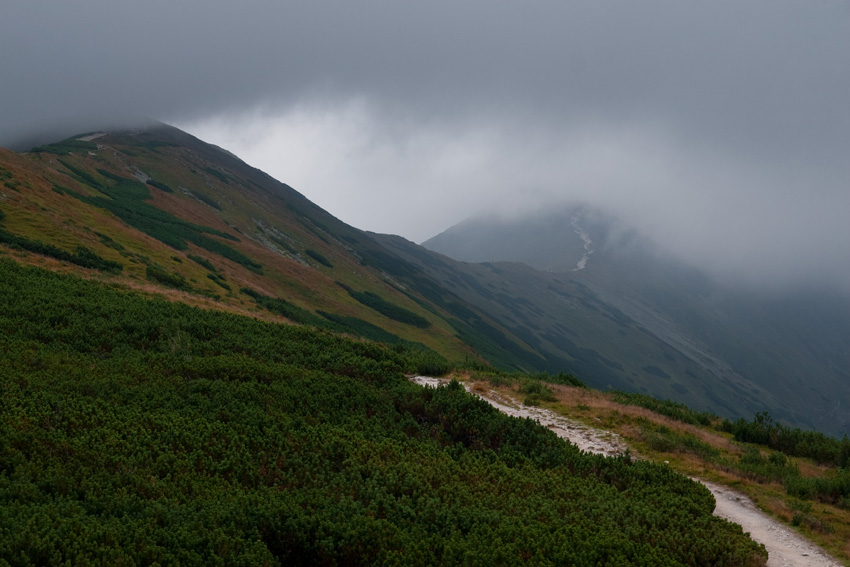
(778, 508)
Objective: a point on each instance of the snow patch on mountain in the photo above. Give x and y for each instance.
(588, 244)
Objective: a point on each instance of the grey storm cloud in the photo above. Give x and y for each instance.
(721, 128)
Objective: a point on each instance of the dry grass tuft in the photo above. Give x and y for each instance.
(777, 508)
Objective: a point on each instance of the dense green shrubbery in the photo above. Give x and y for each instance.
(664, 439)
(389, 310)
(832, 489)
(793, 442)
(203, 262)
(82, 257)
(774, 468)
(359, 328)
(535, 392)
(217, 174)
(219, 280)
(105, 173)
(140, 431)
(422, 359)
(65, 147)
(286, 309)
(673, 410)
(160, 185)
(81, 175)
(171, 279)
(107, 240)
(127, 199)
(209, 201)
(561, 378)
(319, 258)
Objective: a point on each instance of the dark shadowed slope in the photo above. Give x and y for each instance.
(635, 318)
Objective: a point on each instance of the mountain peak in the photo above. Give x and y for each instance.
(555, 240)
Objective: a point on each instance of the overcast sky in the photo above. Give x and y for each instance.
(719, 128)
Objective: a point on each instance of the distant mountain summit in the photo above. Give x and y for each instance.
(559, 239)
(553, 241)
(711, 345)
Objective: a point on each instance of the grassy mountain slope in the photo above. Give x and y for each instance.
(164, 210)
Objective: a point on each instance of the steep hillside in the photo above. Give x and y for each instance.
(160, 210)
(623, 314)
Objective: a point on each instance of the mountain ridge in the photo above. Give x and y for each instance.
(184, 217)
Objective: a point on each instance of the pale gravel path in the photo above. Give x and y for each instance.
(785, 547)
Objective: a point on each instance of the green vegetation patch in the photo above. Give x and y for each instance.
(360, 328)
(108, 241)
(285, 308)
(140, 431)
(171, 279)
(127, 199)
(426, 361)
(65, 147)
(563, 378)
(793, 442)
(673, 410)
(81, 257)
(388, 263)
(160, 185)
(787, 442)
(209, 201)
(423, 360)
(217, 174)
(535, 392)
(81, 175)
(203, 262)
(389, 310)
(103, 172)
(218, 280)
(155, 144)
(663, 439)
(319, 258)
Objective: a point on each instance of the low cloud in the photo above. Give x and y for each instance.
(744, 220)
(720, 129)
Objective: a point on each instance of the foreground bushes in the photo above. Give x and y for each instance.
(140, 432)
